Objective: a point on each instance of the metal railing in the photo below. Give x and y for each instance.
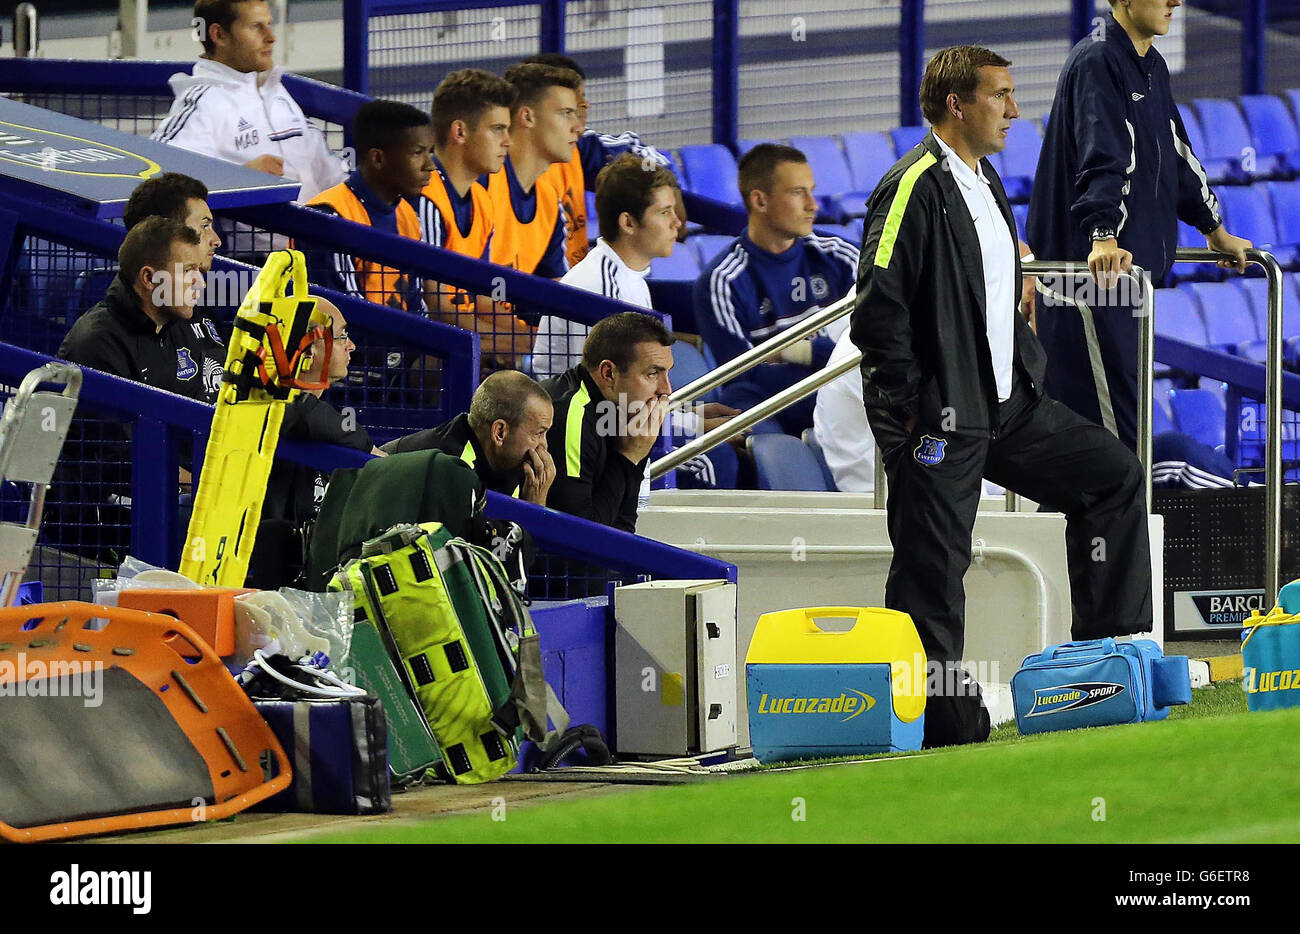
(1146, 369)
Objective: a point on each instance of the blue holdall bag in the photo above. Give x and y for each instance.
(1100, 682)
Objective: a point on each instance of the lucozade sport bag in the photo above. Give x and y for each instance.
(1099, 682)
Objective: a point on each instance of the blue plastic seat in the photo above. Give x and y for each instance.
(1199, 413)
(1248, 212)
(1228, 317)
(835, 190)
(1160, 420)
(1021, 213)
(688, 364)
(1285, 200)
(870, 156)
(1231, 140)
(1020, 159)
(711, 171)
(1216, 170)
(745, 145)
(1256, 292)
(682, 266)
(89, 287)
(783, 462)
(674, 164)
(905, 137)
(593, 222)
(810, 438)
(1272, 128)
(709, 246)
(1189, 236)
(1178, 316)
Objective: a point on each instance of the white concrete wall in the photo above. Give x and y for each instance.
(832, 549)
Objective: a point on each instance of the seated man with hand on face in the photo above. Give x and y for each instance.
(502, 436)
(608, 412)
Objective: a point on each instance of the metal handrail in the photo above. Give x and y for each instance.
(1146, 369)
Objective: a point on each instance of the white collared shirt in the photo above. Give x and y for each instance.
(998, 253)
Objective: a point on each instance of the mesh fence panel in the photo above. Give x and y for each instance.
(817, 69)
(649, 68)
(1033, 34)
(411, 52)
(53, 285)
(1283, 49)
(1203, 50)
(86, 529)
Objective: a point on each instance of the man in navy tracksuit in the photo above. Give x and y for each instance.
(774, 275)
(1115, 175)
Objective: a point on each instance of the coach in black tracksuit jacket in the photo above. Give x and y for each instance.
(1115, 175)
(952, 385)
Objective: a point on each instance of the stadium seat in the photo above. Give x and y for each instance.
(682, 266)
(688, 365)
(783, 462)
(1231, 140)
(905, 137)
(1190, 237)
(1248, 212)
(709, 246)
(1199, 413)
(745, 145)
(1216, 170)
(1228, 317)
(711, 171)
(835, 189)
(1285, 200)
(870, 156)
(88, 289)
(1273, 129)
(1160, 392)
(1020, 159)
(1179, 316)
(1160, 420)
(1021, 213)
(810, 438)
(593, 222)
(673, 163)
(1256, 291)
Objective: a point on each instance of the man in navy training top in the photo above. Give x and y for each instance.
(775, 274)
(1115, 176)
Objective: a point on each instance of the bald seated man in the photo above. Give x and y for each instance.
(502, 436)
(295, 491)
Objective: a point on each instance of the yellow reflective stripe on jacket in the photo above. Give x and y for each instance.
(894, 219)
(573, 431)
(469, 457)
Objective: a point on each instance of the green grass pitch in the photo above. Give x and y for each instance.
(1210, 773)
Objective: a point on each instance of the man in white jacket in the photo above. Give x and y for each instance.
(234, 106)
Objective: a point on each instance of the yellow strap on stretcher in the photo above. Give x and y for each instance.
(275, 325)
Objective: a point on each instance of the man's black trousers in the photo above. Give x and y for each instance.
(1041, 450)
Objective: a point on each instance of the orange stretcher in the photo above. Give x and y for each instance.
(117, 719)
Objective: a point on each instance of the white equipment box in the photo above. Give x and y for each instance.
(675, 667)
